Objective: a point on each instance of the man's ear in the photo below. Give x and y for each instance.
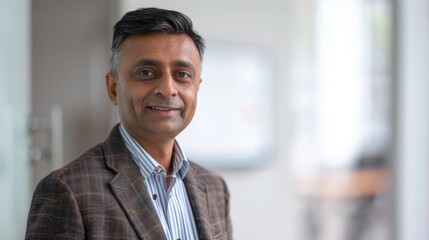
(111, 86)
(201, 80)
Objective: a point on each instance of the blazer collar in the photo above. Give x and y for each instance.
(197, 192)
(128, 187)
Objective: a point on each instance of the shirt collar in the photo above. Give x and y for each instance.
(147, 164)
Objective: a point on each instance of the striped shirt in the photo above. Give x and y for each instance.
(172, 204)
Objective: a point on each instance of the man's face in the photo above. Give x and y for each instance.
(157, 85)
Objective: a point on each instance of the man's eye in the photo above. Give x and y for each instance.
(182, 75)
(145, 73)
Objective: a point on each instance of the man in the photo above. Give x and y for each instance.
(138, 184)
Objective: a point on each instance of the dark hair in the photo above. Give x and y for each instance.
(149, 20)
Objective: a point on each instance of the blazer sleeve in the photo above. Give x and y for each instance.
(227, 210)
(54, 212)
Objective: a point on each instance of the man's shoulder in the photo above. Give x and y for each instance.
(203, 174)
(200, 170)
(89, 163)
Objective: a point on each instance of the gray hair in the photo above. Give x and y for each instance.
(150, 20)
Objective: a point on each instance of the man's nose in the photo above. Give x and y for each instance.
(166, 87)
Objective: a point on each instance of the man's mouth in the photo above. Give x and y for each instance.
(162, 108)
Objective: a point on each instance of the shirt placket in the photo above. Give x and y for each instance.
(165, 200)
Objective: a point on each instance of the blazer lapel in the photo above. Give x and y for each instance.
(197, 193)
(129, 189)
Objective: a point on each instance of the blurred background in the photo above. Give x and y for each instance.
(314, 111)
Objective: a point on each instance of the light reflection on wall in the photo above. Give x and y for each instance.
(341, 81)
(342, 118)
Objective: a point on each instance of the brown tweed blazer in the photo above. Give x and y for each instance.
(101, 195)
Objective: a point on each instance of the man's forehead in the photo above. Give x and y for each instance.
(158, 46)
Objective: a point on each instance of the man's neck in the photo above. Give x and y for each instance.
(161, 151)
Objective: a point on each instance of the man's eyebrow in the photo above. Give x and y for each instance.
(147, 62)
(153, 62)
(183, 63)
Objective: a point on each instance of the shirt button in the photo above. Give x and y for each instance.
(159, 170)
(154, 197)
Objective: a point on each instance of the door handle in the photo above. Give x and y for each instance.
(51, 130)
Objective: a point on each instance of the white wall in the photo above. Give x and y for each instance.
(413, 120)
(262, 201)
(14, 105)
